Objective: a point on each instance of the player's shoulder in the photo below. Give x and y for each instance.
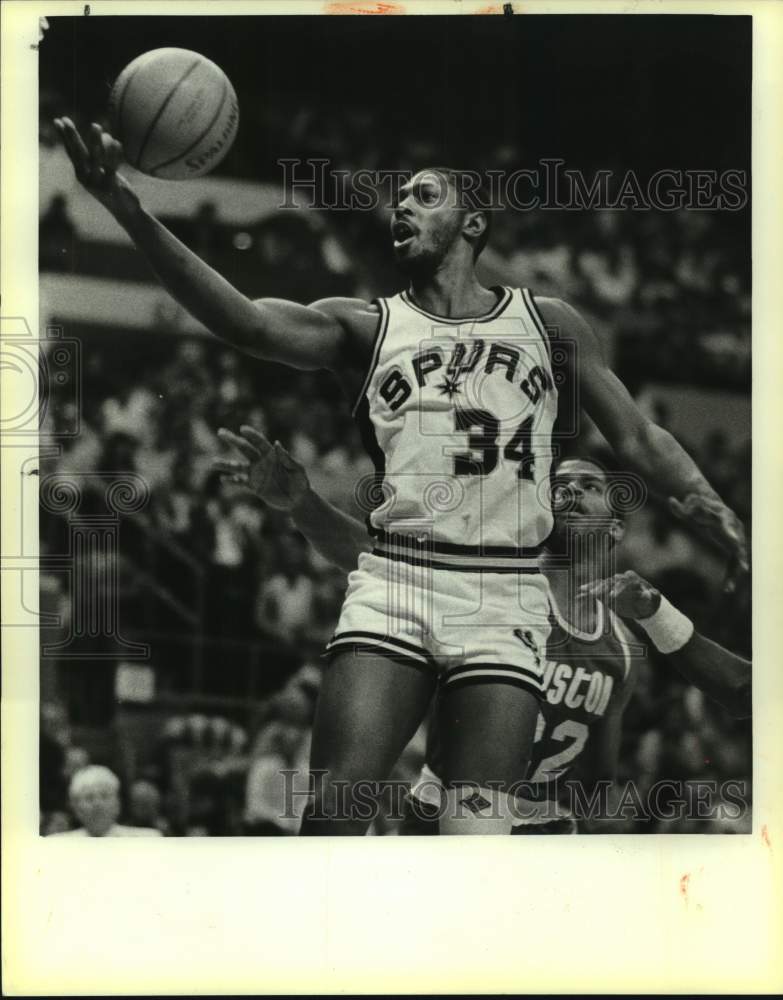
(346, 309)
(357, 317)
(562, 319)
(557, 312)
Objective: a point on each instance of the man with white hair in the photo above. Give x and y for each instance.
(94, 795)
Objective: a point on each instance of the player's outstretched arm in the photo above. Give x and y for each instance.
(713, 669)
(272, 329)
(639, 443)
(281, 482)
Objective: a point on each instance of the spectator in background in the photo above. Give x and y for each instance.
(51, 758)
(76, 759)
(284, 607)
(228, 528)
(94, 795)
(144, 807)
(274, 802)
(56, 237)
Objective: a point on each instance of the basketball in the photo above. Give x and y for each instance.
(175, 112)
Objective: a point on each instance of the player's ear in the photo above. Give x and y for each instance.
(474, 225)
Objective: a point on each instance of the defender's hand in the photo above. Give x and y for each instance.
(713, 519)
(96, 165)
(627, 594)
(268, 470)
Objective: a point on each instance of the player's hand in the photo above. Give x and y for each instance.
(627, 594)
(96, 163)
(268, 470)
(713, 519)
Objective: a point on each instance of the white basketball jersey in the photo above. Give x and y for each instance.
(458, 416)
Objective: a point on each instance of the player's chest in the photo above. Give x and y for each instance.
(580, 677)
(481, 372)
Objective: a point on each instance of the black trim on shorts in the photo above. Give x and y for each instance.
(410, 646)
(516, 679)
(389, 654)
(450, 548)
(389, 644)
(434, 564)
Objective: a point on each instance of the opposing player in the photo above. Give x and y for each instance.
(454, 391)
(596, 624)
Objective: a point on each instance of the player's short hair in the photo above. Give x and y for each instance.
(93, 774)
(470, 195)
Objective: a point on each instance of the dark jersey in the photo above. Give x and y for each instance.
(584, 675)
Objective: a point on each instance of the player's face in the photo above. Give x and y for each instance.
(580, 498)
(97, 808)
(426, 222)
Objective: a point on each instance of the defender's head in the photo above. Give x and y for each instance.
(582, 501)
(439, 212)
(95, 799)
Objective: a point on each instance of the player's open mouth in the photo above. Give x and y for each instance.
(402, 234)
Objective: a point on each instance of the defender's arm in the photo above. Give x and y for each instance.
(280, 481)
(717, 671)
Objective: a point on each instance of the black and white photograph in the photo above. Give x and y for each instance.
(426, 452)
(394, 470)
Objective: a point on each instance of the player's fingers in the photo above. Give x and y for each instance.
(255, 438)
(230, 466)
(239, 478)
(597, 588)
(112, 153)
(242, 446)
(75, 147)
(676, 507)
(738, 568)
(607, 589)
(285, 459)
(97, 160)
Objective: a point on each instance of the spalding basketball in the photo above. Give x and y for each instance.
(175, 113)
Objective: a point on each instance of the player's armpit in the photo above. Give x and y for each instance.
(326, 334)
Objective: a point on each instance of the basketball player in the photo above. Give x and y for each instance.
(453, 388)
(588, 675)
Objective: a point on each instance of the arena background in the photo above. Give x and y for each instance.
(234, 607)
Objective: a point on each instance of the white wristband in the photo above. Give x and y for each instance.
(668, 629)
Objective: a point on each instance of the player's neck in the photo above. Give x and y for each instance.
(453, 291)
(564, 584)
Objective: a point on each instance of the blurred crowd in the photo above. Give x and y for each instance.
(205, 564)
(262, 583)
(672, 289)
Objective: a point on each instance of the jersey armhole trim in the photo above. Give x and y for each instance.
(530, 302)
(380, 336)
